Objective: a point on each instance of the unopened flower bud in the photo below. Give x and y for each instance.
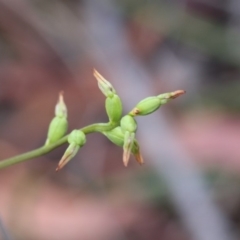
(59, 124)
(115, 135)
(57, 129)
(151, 104)
(113, 107)
(105, 86)
(76, 140)
(77, 137)
(146, 106)
(128, 123)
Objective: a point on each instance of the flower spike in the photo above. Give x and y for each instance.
(120, 130)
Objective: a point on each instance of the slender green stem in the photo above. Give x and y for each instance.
(97, 127)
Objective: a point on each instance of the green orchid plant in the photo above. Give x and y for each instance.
(121, 130)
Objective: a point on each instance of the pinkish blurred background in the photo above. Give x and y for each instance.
(189, 187)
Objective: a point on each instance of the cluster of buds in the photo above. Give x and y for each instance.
(123, 135)
(117, 136)
(58, 128)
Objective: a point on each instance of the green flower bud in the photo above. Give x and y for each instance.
(76, 140)
(57, 129)
(58, 126)
(128, 123)
(115, 135)
(77, 137)
(113, 107)
(113, 103)
(146, 106)
(151, 104)
(105, 86)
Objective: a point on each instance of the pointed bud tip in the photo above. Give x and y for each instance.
(125, 160)
(126, 157)
(105, 86)
(60, 166)
(125, 164)
(98, 76)
(139, 158)
(141, 162)
(95, 73)
(61, 108)
(60, 98)
(177, 93)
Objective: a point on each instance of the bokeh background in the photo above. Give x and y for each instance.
(189, 187)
